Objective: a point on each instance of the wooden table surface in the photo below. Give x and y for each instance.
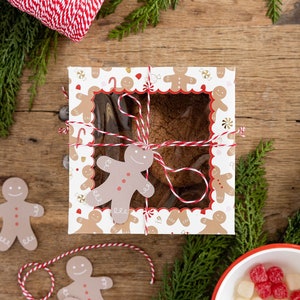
(197, 33)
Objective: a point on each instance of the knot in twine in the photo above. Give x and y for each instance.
(143, 132)
(34, 266)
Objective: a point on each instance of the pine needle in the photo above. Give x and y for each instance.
(274, 8)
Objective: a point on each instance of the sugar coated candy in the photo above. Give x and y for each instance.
(275, 274)
(258, 274)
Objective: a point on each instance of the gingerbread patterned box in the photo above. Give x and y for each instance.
(152, 150)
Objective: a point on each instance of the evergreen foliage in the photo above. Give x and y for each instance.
(205, 257)
(137, 20)
(251, 193)
(274, 10)
(292, 233)
(25, 42)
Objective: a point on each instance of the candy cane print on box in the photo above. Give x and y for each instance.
(152, 150)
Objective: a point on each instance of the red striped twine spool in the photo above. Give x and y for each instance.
(71, 18)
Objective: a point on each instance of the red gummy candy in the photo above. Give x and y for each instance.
(275, 274)
(264, 289)
(295, 295)
(258, 274)
(279, 290)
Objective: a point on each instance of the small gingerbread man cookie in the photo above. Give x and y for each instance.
(125, 178)
(84, 286)
(86, 105)
(214, 226)
(16, 215)
(125, 227)
(179, 79)
(220, 184)
(218, 94)
(89, 225)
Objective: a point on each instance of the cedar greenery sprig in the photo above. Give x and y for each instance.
(193, 276)
(205, 258)
(138, 19)
(108, 8)
(38, 58)
(274, 8)
(251, 193)
(292, 233)
(25, 42)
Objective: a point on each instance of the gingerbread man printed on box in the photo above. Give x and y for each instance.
(16, 215)
(125, 178)
(84, 286)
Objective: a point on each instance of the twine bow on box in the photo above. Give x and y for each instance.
(143, 133)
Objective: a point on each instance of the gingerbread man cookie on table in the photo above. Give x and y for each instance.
(16, 215)
(125, 178)
(84, 286)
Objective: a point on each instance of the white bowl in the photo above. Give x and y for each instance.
(286, 256)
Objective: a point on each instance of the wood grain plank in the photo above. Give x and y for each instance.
(198, 33)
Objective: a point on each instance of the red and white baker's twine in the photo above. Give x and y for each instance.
(143, 131)
(38, 266)
(69, 17)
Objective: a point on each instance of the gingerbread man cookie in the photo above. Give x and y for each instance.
(127, 84)
(16, 215)
(125, 228)
(84, 286)
(220, 184)
(176, 215)
(74, 141)
(218, 94)
(214, 226)
(179, 80)
(88, 172)
(85, 106)
(125, 178)
(89, 225)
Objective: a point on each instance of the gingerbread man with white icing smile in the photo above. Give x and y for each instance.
(124, 179)
(84, 285)
(16, 215)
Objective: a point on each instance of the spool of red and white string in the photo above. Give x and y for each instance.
(34, 266)
(71, 18)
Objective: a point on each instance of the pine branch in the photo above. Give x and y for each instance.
(193, 276)
(38, 59)
(274, 10)
(140, 18)
(251, 194)
(292, 233)
(205, 258)
(15, 43)
(108, 8)
(24, 42)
